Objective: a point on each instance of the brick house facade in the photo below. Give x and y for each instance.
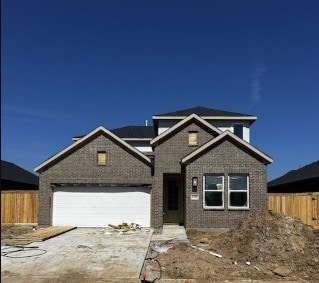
(157, 186)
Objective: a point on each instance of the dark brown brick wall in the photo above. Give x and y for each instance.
(81, 167)
(226, 158)
(167, 160)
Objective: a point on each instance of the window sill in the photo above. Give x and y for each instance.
(213, 208)
(238, 208)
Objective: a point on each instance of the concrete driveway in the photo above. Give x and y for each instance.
(80, 255)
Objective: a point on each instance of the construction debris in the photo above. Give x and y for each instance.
(160, 249)
(122, 228)
(37, 235)
(210, 252)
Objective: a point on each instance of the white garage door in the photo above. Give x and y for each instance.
(100, 206)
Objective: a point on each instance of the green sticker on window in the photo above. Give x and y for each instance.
(219, 187)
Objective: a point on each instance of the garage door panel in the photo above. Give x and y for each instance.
(100, 206)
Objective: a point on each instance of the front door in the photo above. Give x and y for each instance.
(173, 199)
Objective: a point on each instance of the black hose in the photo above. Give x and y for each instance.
(160, 268)
(156, 260)
(21, 249)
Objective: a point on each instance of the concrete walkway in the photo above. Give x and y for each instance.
(174, 233)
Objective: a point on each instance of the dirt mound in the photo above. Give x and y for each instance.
(264, 246)
(272, 238)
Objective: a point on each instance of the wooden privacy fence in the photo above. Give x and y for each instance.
(303, 205)
(19, 207)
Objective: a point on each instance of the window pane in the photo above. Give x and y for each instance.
(214, 183)
(238, 130)
(238, 182)
(213, 199)
(238, 199)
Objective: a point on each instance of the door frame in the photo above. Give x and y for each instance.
(178, 218)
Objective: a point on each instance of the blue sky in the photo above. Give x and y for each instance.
(70, 66)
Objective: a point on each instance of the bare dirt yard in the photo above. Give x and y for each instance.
(265, 246)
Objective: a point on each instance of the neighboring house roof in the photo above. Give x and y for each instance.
(88, 136)
(131, 132)
(192, 117)
(307, 172)
(135, 132)
(227, 134)
(203, 112)
(12, 172)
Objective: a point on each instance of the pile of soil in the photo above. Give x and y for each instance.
(264, 246)
(273, 239)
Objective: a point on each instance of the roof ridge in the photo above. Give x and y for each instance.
(204, 111)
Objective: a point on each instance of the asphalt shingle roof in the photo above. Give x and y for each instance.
(309, 171)
(132, 132)
(12, 172)
(135, 132)
(148, 131)
(202, 111)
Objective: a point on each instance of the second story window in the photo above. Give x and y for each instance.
(239, 130)
(193, 138)
(101, 158)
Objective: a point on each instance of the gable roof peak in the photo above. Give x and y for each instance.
(227, 133)
(88, 136)
(187, 119)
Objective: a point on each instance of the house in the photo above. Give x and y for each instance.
(195, 167)
(296, 193)
(13, 177)
(304, 179)
(19, 195)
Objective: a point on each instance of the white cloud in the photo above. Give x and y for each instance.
(257, 73)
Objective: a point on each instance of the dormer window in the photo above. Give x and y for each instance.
(101, 158)
(193, 138)
(239, 130)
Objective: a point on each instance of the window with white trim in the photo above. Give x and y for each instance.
(238, 191)
(213, 191)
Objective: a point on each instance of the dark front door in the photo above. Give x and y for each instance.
(173, 198)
